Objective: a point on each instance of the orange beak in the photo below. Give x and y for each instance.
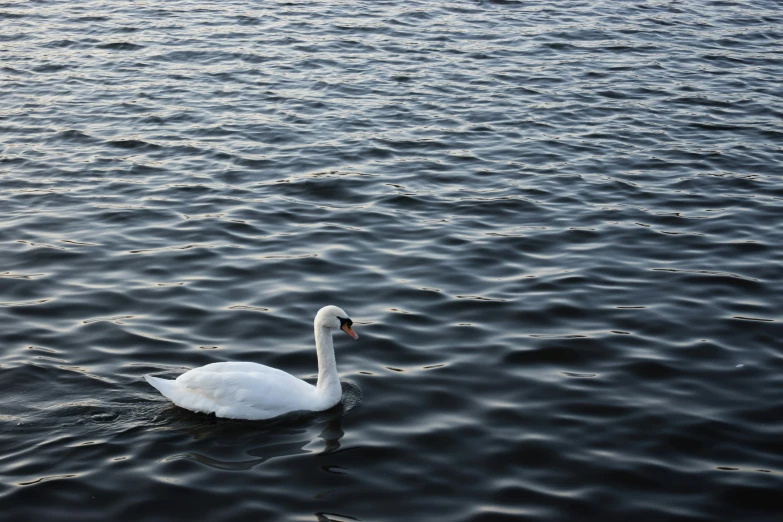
(347, 329)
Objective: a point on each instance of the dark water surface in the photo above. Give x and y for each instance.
(557, 225)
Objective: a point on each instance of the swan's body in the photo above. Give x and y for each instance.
(245, 390)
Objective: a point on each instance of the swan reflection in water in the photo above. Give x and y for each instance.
(324, 517)
(284, 436)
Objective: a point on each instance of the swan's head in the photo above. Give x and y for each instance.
(335, 317)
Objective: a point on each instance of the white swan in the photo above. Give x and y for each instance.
(245, 390)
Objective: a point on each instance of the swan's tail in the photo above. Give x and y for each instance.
(164, 386)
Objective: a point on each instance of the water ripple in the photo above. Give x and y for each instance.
(555, 226)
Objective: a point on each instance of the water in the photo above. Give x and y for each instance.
(557, 227)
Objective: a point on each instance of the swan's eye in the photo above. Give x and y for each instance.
(344, 321)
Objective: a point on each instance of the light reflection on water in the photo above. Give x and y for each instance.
(554, 224)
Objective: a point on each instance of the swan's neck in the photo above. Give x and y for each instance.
(328, 387)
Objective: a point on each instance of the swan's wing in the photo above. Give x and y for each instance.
(242, 390)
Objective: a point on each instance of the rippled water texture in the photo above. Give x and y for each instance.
(557, 226)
